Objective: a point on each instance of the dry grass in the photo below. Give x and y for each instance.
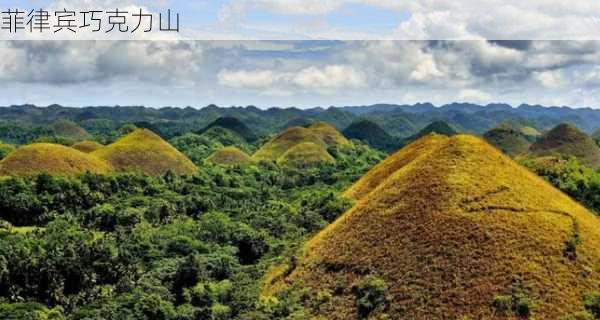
(277, 146)
(320, 134)
(87, 146)
(229, 156)
(50, 158)
(305, 154)
(69, 129)
(145, 152)
(380, 173)
(450, 223)
(330, 135)
(566, 141)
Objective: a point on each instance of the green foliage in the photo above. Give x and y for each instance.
(591, 302)
(5, 149)
(578, 181)
(370, 295)
(130, 246)
(519, 304)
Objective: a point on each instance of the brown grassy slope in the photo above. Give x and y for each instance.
(50, 158)
(87, 146)
(330, 135)
(145, 152)
(380, 173)
(277, 146)
(69, 129)
(229, 156)
(305, 154)
(450, 231)
(566, 140)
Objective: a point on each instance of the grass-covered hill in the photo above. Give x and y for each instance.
(68, 129)
(49, 158)
(566, 141)
(439, 127)
(233, 124)
(449, 228)
(305, 154)
(87, 146)
(330, 135)
(530, 132)
(509, 140)
(372, 134)
(278, 145)
(229, 156)
(317, 138)
(145, 152)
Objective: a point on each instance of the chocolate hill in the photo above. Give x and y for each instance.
(449, 228)
(229, 156)
(566, 141)
(145, 152)
(50, 158)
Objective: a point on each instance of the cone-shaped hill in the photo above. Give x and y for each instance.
(372, 134)
(530, 132)
(87, 146)
(508, 140)
(330, 135)
(305, 154)
(439, 127)
(454, 229)
(298, 122)
(320, 135)
(69, 129)
(287, 139)
(145, 152)
(50, 158)
(229, 156)
(567, 141)
(233, 124)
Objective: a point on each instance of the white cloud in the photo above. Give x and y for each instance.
(549, 79)
(247, 79)
(474, 95)
(323, 80)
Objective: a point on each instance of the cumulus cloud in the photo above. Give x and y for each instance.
(56, 62)
(473, 95)
(549, 79)
(370, 71)
(324, 80)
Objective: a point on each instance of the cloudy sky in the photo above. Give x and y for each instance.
(342, 52)
(298, 73)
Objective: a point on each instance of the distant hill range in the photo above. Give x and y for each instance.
(397, 120)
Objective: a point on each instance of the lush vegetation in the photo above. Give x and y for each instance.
(130, 246)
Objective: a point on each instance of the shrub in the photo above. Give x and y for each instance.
(521, 304)
(370, 294)
(502, 304)
(591, 302)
